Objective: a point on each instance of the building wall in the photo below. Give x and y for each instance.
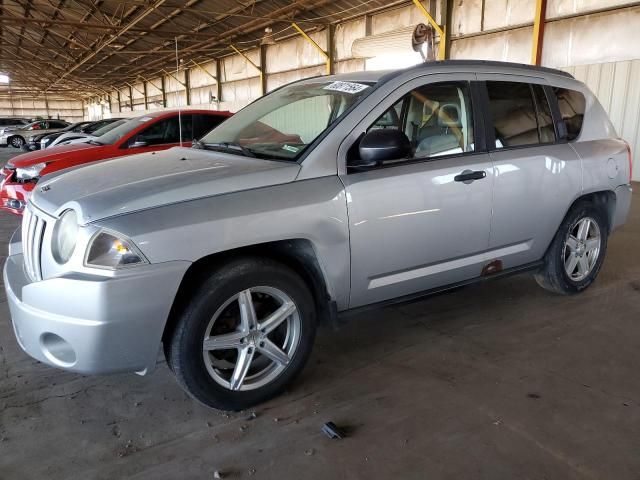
(28, 107)
(617, 85)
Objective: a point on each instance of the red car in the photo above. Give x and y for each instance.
(152, 132)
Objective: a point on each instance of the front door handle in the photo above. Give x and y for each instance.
(468, 176)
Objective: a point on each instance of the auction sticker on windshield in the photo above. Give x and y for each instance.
(346, 87)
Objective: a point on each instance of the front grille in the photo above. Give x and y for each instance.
(32, 232)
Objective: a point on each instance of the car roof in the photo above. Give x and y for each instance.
(484, 66)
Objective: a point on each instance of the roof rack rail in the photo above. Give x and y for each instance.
(492, 63)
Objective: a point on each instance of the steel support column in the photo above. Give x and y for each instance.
(263, 69)
(163, 84)
(331, 67)
(538, 32)
(187, 86)
(218, 81)
(146, 95)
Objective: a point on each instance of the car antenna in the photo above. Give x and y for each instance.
(178, 98)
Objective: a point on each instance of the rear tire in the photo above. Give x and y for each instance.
(223, 351)
(17, 142)
(577, 252)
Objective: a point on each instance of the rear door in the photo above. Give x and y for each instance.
(536, 173)
(416, 223)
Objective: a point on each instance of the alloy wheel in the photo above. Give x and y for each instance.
(251, 338)
(582, 248)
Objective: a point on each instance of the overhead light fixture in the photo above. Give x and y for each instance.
(268, 37)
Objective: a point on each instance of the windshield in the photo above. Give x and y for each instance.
(284, 123)
(95, 126)
(115, 133)
(74, 127)
(107, 128)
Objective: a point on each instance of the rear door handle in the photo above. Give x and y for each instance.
(469, 176)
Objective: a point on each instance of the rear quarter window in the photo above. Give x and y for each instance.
(572, 105)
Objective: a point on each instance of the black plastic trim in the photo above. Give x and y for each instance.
(414, 297)
(555, 112)
(479, 115)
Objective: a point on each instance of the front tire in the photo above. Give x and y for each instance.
(577, 252)
(244, 336)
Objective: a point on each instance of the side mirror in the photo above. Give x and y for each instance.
(139, 144)
(379, 146)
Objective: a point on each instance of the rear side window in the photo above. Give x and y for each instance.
(205, 123)
(546, 129)
(513, 113)
(572, 105)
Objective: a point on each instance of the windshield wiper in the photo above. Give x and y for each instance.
(94, 142)
(234, 146)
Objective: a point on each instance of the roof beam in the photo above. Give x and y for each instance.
(123, 30)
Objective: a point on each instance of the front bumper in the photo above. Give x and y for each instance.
(4, 140)
(33, 144)
(13, 194)
(91, 323)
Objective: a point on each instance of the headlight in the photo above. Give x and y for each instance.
(29, 173)
(110, 250)
(65, 234)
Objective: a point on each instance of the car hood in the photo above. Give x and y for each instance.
(147, 180)
(51, 154)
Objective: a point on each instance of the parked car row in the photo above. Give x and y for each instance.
(152, 132)
(19, 136)
(328, 195)
(77, 131)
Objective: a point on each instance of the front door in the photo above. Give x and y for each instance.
(422, 222)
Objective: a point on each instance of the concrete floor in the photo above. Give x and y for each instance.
(499, 381)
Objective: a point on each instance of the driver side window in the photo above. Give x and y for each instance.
(437, 119)
(161, 132)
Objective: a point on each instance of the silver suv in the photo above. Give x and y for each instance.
(327, 195)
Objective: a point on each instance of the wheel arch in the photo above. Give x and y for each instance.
(602, 199)
(298, 254)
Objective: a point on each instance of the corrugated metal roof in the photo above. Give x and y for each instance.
(89, 46)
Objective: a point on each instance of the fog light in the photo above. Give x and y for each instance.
(57, 350)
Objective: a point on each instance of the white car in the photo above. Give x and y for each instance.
(82, 137)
